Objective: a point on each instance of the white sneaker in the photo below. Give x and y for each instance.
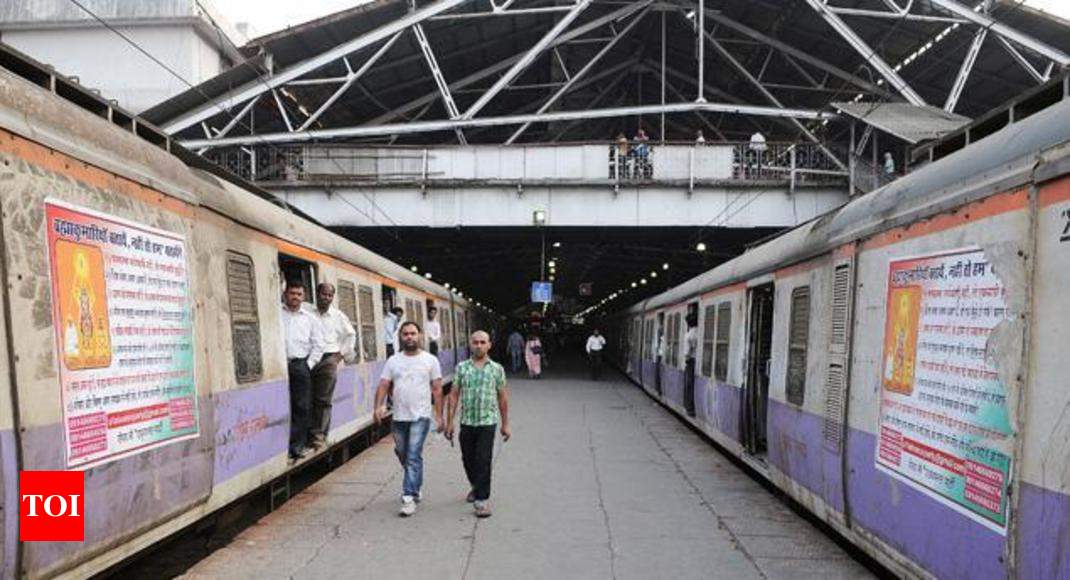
(408, 506)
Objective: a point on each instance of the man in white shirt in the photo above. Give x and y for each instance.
(390, 329)
(414, 379)
(595, 343)
(339, 345)
(303, 337)
(433, 330)
(690, 353)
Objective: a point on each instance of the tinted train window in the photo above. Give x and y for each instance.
(444, 319)
(244, 317)
(724, 330)
(798, 336)
(709, 319)
(368, 345)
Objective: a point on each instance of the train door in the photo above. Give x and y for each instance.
(690, 350)
(659, 350)
(295, 269)
(759, 355)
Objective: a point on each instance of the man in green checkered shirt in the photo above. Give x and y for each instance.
(479, 386)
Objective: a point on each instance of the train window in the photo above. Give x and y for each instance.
(244, 317)
(724, 329)
(709, 319)
(366, 303)
(798, 336)
(674, 340)
(346, 300)
(446, 317)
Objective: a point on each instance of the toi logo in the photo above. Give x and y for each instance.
(51, 506)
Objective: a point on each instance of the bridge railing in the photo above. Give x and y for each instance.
(608, 163)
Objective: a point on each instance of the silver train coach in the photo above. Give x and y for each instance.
(898, 366)
(141, 317)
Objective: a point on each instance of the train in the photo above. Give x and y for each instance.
(897, 366)
(141, 315)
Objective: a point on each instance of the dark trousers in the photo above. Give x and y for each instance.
(594, 359)
(432, 347)
(477, 452)
(324, 379)
(389, 350)
(689, 386)
(300, 401)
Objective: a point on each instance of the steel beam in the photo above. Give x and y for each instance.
(501, 12)
(1021, 60)
(489, 71)
(580, 74)
(351, 78)
(1003, 31)
(964, 70)
(282, 110)
(449, 125)
(798, 54)
(528, 58)
(895, 15)
(742, 70)
(890, 75)
(259, 86)
(236, 119)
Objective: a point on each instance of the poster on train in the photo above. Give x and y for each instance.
(124, 334)
(944, 419)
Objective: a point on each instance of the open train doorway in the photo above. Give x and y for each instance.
(294, 269)
(659, 352)
(690, 352)
(759, 358)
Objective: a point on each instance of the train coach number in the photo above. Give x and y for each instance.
(1065, 237)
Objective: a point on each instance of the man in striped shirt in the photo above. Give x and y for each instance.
(481, 389)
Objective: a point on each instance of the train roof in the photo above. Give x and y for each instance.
(1004, 160)
(67, 126)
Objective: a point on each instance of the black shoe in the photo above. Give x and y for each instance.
(471, 497)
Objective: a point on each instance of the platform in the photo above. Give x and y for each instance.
(598, 482)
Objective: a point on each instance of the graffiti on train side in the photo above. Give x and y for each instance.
(1065, 237)
(945, 415)
(124, 334)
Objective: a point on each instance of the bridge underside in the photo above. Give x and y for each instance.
(498, 264)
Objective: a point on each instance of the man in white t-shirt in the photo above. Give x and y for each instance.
(414, 379)
(595, 343)
(434, 331)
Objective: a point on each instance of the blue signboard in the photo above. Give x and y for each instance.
(542, 292)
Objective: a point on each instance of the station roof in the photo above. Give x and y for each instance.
(910, 123)
(786, 47)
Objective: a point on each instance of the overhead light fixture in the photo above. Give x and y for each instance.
(551, 277)
(414, 269)
(539, 217)
(653, 274)
(634, 284)
(447, 285)
(665, 266)
(701, 247)
(427, 275)
(643, 281)
(557, 244)
(552, 263)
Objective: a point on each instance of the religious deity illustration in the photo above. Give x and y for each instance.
(901, 338)
(83, 305)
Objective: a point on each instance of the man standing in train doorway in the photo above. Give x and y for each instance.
(303, 344)
(414, 379)
(434, 331)
(482, 393)
(339, 345)
(690, 353)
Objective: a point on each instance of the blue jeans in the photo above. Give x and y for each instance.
(518, 359)
(409, 437)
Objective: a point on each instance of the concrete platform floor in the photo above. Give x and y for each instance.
(597, 482)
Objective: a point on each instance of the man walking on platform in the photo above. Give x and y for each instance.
(481, 389)
(516, 349)
(339, 345)
(595, 343)
(414, 379)
(303, 344)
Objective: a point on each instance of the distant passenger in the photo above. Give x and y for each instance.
(516, 350)
(303, 339)
(390, 329)
(756, 151)
(595, 343)
(434, 331)
(414, 379)
(700, 139)
(339, 345)
(483, 396)
(533, 356)
(889, 164)
(690, 352)
(622, 156)
(642, 155)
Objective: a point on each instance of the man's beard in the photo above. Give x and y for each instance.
(413, 347)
